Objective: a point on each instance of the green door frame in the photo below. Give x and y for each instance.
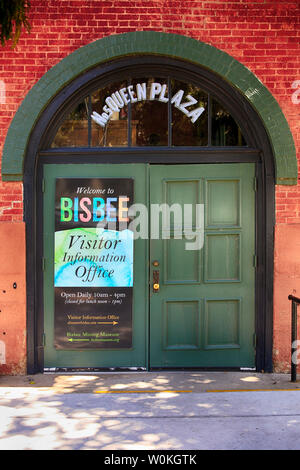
(69, 359)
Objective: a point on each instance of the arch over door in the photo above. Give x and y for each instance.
(165, 45)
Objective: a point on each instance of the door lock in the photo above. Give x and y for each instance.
(155, 281)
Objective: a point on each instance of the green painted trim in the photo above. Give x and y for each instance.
(11, 177)
(150, 42)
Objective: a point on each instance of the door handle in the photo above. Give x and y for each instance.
(155, 281)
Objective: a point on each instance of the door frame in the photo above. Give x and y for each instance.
(264, 240)
(259, 152)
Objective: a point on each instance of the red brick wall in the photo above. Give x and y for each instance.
(13, 298)
(263, 35)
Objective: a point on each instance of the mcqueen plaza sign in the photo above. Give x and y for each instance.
(140, 92)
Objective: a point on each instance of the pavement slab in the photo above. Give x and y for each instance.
(162, 410)
(194, 381)
(44, 420)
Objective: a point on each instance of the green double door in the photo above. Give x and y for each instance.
(193, 267)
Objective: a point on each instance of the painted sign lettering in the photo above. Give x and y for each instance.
(157, 91)
(93, 272)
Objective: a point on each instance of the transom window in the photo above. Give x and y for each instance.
(149, 111)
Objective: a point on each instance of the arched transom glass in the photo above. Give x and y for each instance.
(149, 111)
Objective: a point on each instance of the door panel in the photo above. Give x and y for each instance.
(203, 313)
(136, 356)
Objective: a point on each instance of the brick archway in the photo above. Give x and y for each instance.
(150, 42)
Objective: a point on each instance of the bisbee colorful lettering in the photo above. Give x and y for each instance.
(157, 91)
(96, 209)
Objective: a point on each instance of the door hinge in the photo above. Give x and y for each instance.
(44, 339)
(254, 261)
(255, 183)
(254, 340)
(43, 185)
(43, 264)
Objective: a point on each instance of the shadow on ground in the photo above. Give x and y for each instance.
(152, 381)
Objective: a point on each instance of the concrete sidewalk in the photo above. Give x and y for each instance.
(194, 381)
(150, 411)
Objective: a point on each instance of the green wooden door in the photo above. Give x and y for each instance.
(86, 357)
(203, 313)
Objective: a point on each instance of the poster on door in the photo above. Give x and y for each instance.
(93, 265)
